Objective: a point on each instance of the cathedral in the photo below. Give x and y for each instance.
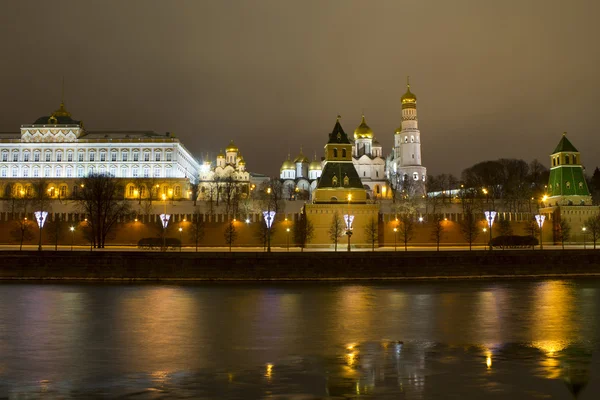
(400, 171)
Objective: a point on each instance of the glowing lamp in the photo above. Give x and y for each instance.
(40, 217)
(164, 219)
(269, 216)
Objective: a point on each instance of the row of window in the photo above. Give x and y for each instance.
(567, 184)
(141, 191)
(26, 172)
(569, 159)
(80, 156)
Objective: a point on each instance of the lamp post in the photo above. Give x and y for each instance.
(584, 229)
(269, 216)
(489, 216)
(540, 221)
(40, 217)
(348, 218)
(180, 238)
(287, 230)
(395, 237)
(72, 229)
(484, 231)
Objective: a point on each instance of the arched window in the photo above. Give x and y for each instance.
(58, 156)
(169, 156)
(124, 172)
(334, 181)
(177, 191)
(69, 172)
(113, 156)
(346, 181)
(47, 172)
(156, 155)
(26, 156)
(146, 172)
(344, 153)
(70, 156)
(134, 172)
(567, 159)
(143, 191)
(80, 172)
(157, 172)
(113, 171)
(58, 172)
(415, 176)
(147, 156)
(47, 156)
(335, 154)
(80, 156)
(568, 184)
(25, 172)
(131, 191)
(102, 156)
(63, 191)
(92, 156)
(580, 185)
(124, 156)
(136, 156)
(4, 172)
(36, 156)
(377, 189)
(4, 156)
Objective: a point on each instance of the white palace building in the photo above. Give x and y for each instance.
(57, 149)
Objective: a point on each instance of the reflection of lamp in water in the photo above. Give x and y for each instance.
(269, 372)
(488, 360)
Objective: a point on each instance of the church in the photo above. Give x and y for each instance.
(400, 171)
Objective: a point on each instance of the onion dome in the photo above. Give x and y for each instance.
(409, 100)
(287, 164)
(231, 147)
(221, 155)
(242, 161)
(315, 166)
(301, 158)
(363, 131)
(376, 143)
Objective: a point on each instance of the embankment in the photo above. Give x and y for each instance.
(154, 266)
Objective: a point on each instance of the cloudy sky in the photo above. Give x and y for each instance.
(493, 78)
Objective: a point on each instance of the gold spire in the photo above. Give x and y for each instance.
(409, 100)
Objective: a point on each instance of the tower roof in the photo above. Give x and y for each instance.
(409, 100)
(287, 164)
(338, 136)
(58, 117)
(363, 131)
(231, 147)
(565, 145)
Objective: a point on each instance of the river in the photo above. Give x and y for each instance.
(398, 340)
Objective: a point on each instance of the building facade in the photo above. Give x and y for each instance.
(59, 150)
(228, 172)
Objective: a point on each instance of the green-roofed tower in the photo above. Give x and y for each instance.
(567, 185)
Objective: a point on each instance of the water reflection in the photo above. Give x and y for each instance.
(409, 340)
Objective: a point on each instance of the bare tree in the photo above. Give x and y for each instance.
(504, 227)
(262, 232)
(437, 229)
(194, 191)
(22, 231)
(592, 226)
(406, 228)
(372, 232)
(336, 229)
(56, 230)
(101, 199)
(562, 232)
(197, 227)
(230, 234)
(303, 231)
(469, 228)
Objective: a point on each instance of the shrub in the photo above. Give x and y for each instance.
(514, 241)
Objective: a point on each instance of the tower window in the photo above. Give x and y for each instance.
(344, 153)
(580, 185)
(415, 176)
(334, 181)
(346, 181)
(335, 153)
(568, 185)
(405, 139)
(364, 173)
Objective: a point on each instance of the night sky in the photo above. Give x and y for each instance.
(493, 79)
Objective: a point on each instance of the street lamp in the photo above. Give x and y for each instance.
(72, 229)
(489, 216)
(164, 219)
(288, 238)
(269, 216)
(395, 237)
(540, 221)
(348, 218)
(180, 238)
(40, 217)
(584, 229)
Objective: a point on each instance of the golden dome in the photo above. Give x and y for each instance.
(409, 100)
(314, 166)
(242, 161)
(301, 158)
(287, 164)
(221, 155)
(61, 112)
(231, 147)
(398, 131)
(363, 131)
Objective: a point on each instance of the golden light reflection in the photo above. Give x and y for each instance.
(269, 371)
(488, 361)
(553, 324)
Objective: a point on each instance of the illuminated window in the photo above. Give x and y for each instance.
(70, 156)
(113, 156)
(25, 172)
(4, 156)
(131, 191)
(26, 157)
(92, 156)
(334, 181)
(15, 157)
(59, 156)
(157, 157)
(136, 156)
(47, 172)
(80, 157)
(103, 157)
(415, 176)
(63, 191)
(124, 156)
(48, 156)
(146, 156)
(580, 185)
(169, 156)
(568, 185)
(346, 181)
